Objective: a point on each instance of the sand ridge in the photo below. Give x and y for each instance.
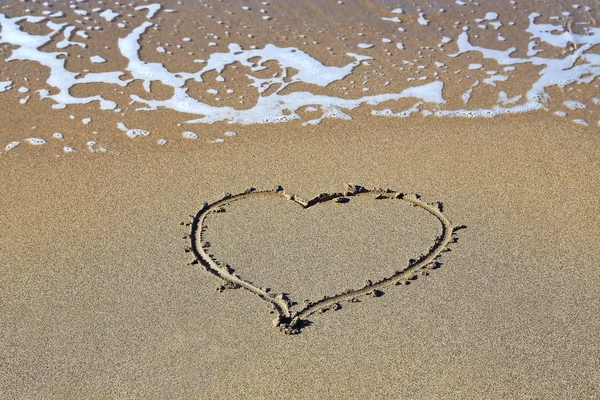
(292, 321)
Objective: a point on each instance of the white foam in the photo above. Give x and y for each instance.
(574, 105)
(140, 70)
(495, 78)
(577, 65)
(109, 15)
(35, 141)
(11, 145)
(189, 135)
(67, 33)
(402, 114)
(491, 112)
(97, 59)
(132, 133)
(59, 77)
(272, 108)
(152, 9)
(557, 71)
(5, 86)
(504, 99)
(466, 96)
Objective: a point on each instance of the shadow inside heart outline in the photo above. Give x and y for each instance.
(288, 320)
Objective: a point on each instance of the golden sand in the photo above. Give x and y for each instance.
(100, 300)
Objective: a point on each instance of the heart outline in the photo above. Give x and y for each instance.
(288, 320)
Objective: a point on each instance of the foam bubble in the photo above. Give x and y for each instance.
(11, 145)
(492, 112)
(109, 15)
(132, 133)
(403, 114)
(189, 135)
(574, 105)
(152, 9)
(581, 122)
(35, 141)
(97, 59)
(5, 85)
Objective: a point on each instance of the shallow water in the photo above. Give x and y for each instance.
(79, 74)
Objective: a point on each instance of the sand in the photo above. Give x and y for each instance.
(99, 299)
(105, 294)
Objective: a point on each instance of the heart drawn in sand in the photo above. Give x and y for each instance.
(289, 319)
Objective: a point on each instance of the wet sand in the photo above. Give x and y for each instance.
(99, 300)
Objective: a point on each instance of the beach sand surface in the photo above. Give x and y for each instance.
(99, 299)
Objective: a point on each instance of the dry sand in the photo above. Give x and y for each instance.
(99, 300)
